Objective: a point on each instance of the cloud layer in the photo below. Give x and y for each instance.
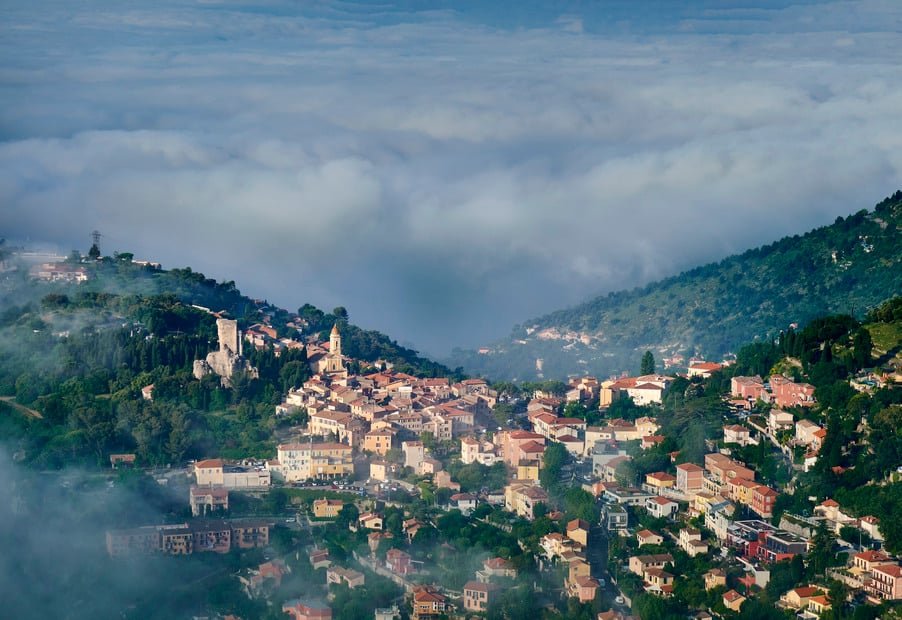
(449, 172)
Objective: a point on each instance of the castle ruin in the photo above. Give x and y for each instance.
(229, 359)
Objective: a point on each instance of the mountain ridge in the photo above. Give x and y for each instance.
(849, 266)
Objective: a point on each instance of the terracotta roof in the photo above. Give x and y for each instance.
(208, 464)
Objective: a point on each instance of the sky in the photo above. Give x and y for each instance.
(444, 170)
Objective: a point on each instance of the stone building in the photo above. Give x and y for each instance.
(229, 359)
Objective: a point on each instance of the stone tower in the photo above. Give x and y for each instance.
(335, 342)
(229, 336)
(229, 359)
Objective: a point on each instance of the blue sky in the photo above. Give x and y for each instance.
(444, 170)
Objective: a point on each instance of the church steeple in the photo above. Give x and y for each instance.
(335, 342)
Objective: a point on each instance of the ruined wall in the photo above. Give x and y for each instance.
(228, 336)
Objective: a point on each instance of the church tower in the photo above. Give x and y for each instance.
(335, 342)
(334, 367)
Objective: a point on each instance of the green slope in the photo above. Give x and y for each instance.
(847, 267)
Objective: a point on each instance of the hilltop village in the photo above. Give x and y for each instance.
(268, 464)
(455, 491)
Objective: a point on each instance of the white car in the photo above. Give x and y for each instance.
(291, 520)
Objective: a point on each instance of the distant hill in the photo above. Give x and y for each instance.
(118, 276)
(847, 267)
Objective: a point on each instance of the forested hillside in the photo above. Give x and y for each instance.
(78, 356)
(847, 267)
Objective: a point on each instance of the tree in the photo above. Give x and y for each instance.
(648, 364)
(862, 346)
(94, 252)
(553, 461)
(821, 553)
(340, 313)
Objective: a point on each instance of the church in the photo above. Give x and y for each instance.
(328, 364)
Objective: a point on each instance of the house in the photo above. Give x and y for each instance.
(798, 598)
(208, 473)
(203, 499)
(870, 525)
(661, 507)
(736, 433)
(496, 567)
(305, 609)
(650, 441)
(556, 545)
(428, 603)
(733, 600)
(319, 558)
(474, 450)
(414, 454)
(478, 595)
(787, 393)
(779, 420)
(578, 531)
(832, 512)
(379, 470)
(370, 521)
(866, 560)
(573, 444)
(763, 500)
(615, 518)
(747, 388)
(646, 393)
(379, 441)
(805, 432)
(577, 568)
(321, 461)
(658, 582)
(256, 584)
(430, 467)
(714, 578)
(626, 496)
(608, 471)
(337, 575)
(691, 542)
(639, 564)
(522, 498)
(647, 537)
(818, 604)
(464, 502)
(703, 369)
(885, 584)
(327, 508)
(398, 562)
(512, 442)
(656, 482)
(722, 468)
(443, 480)
(689, 477)
(777, 545)
(584, 588)
(122, 460)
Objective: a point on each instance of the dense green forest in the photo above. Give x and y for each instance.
(847, 267)
(78, 355)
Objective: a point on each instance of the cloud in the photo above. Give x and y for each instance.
(443, 174)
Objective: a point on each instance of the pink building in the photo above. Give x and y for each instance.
(749, 388)
(885, 584)
(689, 477)
(398, 562)
(302, 609)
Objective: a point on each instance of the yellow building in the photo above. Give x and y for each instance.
(379, 441)
(327, 508)
(322, 461)
(528, 472)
